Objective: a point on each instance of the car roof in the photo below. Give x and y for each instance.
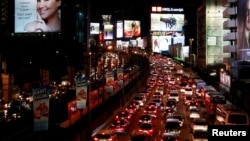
(172, 120)
(105, 131)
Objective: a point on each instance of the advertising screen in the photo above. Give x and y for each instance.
(30, 16)
(108, 31)
(106, 19)
(94, 28)
(161, 43)
(132, 28)
(167, 22)
(119, 29)
(243, 29)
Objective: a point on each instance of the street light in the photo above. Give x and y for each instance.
(88, 96)
(191, 51)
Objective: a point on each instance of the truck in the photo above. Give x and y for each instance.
(199, 83)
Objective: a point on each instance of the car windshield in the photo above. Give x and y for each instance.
(103, 136)
(146, 126)
(118, 122)
(172, 125)
(170, 103)
(138, 98)
(200, 134)
(150, 108)
(200, 122)
(174, 94)
(145, 117)
(178, 117)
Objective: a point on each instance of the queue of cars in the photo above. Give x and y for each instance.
(161, 98)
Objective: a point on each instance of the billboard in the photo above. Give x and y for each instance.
(31, 16)
(161, 43)
(167, 22)
(108, 31)
(243, 29)
(41, 108)
(119, 29)
(132, 28)
(94, 28)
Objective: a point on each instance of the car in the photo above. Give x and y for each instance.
(136, 104)
(179, 117)
(119, 125)
(159, 103)
(151, 110)
(105, 135)
(194, 114)
(131, 108)
(168, 112)
(199, 135)
(172, 126)
(157, 97)
(199, 124)
(188, 98)
(146, 128)
(123, 114)
(171, 103)
(168, 137)
(174, 95)
(173, 89)
(188, 91)
(160, 89)
(145, 118)
(143, 92)
(141, 99)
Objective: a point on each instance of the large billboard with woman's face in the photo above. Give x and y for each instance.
(37, 16)
(167, 22)
(243, 29)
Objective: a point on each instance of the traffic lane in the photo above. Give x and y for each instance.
(134, 126)
(159, 125)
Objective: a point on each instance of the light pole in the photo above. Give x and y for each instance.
(191, 50)
(89, 90)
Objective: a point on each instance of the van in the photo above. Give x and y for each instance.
(228, 114)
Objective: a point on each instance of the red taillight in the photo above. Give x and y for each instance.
(95, 138)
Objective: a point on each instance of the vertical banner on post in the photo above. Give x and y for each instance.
(81, 92)
(120, 76)
(109, 81)
(41, 108)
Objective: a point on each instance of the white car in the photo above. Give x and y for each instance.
(188, 91)
(199, 124)
(194, 114)
(174, 95)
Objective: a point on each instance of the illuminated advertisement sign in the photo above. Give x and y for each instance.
(132, 28)
(94, 28)
(108, 31)
(30, 16)
(160, 43)
(243, 29)
(119, 29)
(167, 22)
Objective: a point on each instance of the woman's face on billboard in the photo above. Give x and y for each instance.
(248, 15)
(48, 8)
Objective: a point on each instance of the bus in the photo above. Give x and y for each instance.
(229, 114)
(211, 100)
